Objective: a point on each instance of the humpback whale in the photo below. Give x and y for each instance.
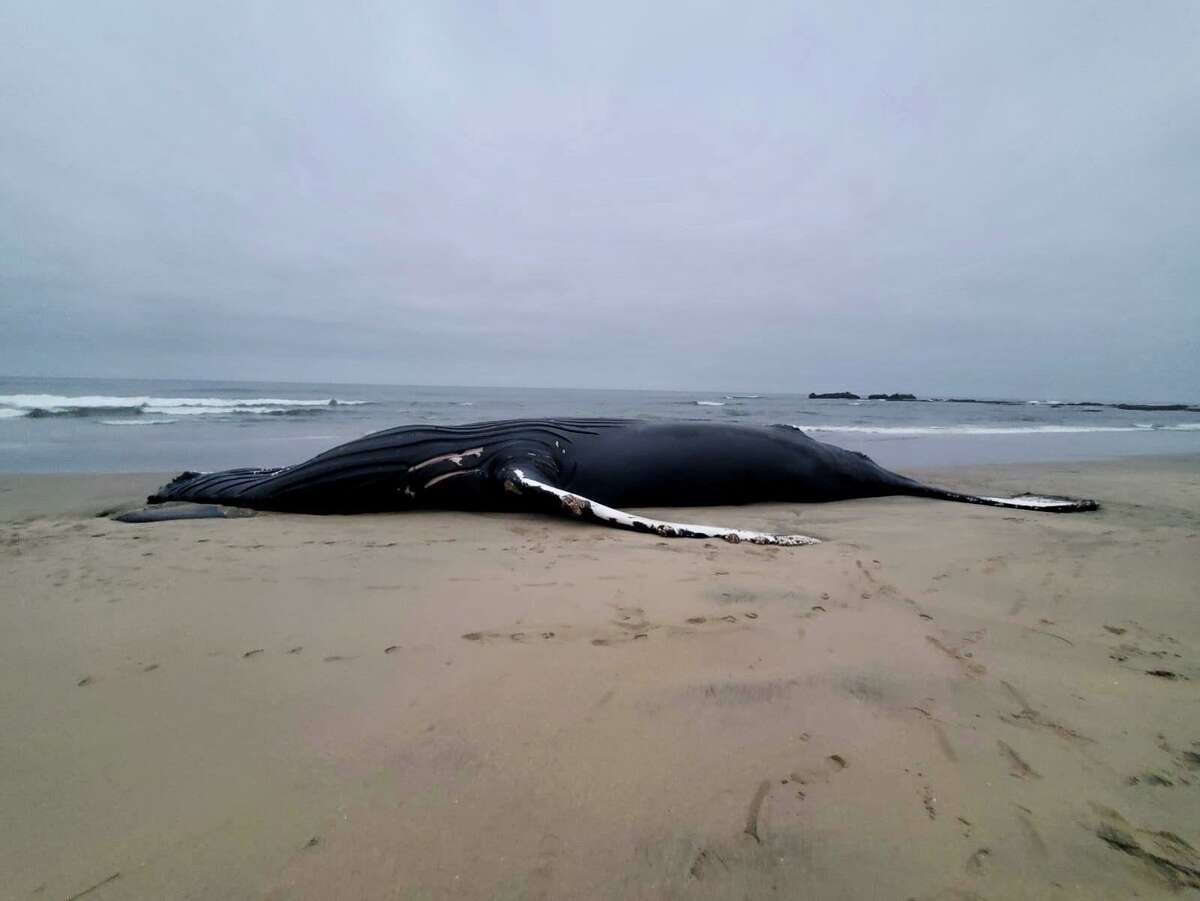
(591, 469)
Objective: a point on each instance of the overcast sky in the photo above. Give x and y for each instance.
(990, 198)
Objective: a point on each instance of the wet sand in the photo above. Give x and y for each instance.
(940, 702)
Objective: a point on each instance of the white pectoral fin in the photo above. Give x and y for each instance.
(1043, 503)
(1049, 504)
(517, 481)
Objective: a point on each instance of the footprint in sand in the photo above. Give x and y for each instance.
(630, 625)
(1151, 778)
(1020, 768)
(928, 800)
(962, 657)
(485, 637)
(622, 639)
(975, 863)
(1029, 717)
(727, 618)
(1172, 860)
(815, 775)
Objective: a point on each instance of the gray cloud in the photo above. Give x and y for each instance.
(985, 198)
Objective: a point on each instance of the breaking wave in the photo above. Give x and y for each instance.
(48, 405)
(137, 421)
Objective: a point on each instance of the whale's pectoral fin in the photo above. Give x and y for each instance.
(1044, 503)
(517, 481)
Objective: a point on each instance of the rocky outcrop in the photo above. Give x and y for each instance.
(971, 400)
(1158, 408)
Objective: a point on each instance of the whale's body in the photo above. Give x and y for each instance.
(587, 467)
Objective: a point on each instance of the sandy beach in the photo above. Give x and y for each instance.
(940, 701)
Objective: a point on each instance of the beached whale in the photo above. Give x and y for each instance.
(586, 468)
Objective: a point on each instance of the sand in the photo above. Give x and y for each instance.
(941, 701)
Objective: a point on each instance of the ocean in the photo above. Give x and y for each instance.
(104, 425)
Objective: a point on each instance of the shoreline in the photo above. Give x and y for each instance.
(941, 700)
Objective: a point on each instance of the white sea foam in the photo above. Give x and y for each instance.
(23, 404)
(136, 421)
(710, 403)
(221, 411)
(193, 411)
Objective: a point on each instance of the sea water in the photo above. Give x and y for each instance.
(99, 425)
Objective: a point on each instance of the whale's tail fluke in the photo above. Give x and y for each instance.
(1044, 503)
